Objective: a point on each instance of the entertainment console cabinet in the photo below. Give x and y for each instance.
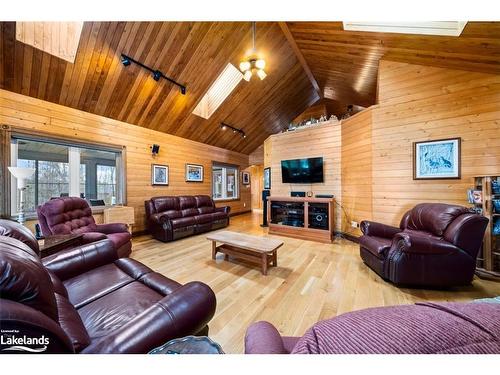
(301, 217)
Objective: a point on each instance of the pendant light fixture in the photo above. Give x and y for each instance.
(253, 63)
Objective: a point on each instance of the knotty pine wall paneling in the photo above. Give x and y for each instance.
(42, 117)
(314, 141)
(419, 103)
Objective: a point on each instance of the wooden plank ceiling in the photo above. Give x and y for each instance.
(193, 53)
(345, 63)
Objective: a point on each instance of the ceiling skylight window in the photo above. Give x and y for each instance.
(219, 91)
(445, 28)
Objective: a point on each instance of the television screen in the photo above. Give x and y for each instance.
(302, 171)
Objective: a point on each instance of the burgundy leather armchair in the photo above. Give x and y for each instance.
(67, 215)
(87, 300)
(170, 218)
(436, 245)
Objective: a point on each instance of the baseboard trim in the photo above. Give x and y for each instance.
(239, 213)
(347, 236)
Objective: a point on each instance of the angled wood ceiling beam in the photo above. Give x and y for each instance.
(300, 57)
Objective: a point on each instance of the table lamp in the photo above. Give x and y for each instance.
(21, 175)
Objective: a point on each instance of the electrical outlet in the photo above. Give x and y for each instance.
(244, 204)
(354, 224)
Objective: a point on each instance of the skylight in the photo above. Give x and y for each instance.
(446, 28)
(219, 91)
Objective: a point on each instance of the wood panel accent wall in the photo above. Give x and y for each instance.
(419, 103)
(257, 156)
(256, 180)
(39, 116)
(357, 170)
(317, 140)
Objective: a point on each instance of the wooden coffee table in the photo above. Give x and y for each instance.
(260, 250)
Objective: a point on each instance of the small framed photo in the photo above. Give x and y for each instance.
(194, 173)
(438, 159)
(267, 178)
(245, 178)
(159, 174)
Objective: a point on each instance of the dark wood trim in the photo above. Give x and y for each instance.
(222, 164)
(231, 214)
(5, 209)
(300, 57)
(459, 139)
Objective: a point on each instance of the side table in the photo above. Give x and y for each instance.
(53, 244)
(189, 345)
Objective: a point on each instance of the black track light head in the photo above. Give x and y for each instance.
(183, 90)
(157, 75)
(125, 60)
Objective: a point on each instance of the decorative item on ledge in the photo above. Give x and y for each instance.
(225, 126)
(485, 197)
(311, 121)
(127, 60)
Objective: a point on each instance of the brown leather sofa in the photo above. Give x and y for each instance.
(436, 245)
(87, 300)
(170, 218)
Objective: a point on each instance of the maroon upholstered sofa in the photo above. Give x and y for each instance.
(436, 245)
(424, 328)
(73, 215)
(87, 300)
(170, 218)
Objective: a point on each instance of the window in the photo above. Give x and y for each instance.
(225, 183)
(63, 169)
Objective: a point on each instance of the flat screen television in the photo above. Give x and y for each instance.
(302, 171)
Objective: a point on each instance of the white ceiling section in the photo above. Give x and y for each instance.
(445, 28)
(219, 91)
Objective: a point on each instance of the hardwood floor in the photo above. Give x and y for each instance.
(313, 281)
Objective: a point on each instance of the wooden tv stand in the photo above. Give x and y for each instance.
(298, 217)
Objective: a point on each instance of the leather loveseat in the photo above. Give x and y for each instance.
(87, 300)
(436, 245)
(170, 218)
(67, 215)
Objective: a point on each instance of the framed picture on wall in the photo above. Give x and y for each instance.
(159, 174)
(438, 159)
(267, 178)
(245, 178)
(194, 173)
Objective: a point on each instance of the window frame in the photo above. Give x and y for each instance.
(8, 134)
(224, 167)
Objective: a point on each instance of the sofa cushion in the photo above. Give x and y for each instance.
(111, 311)
(186, 202)
(71, 323)
(92, 285)
(203, 219)
(377, 246)
(189, 212)
(434, 217)
(205, 210)
(203, 201)
(219, 216)
(162, 204)
(183, 222)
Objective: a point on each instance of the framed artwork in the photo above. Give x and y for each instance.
(194, 173)
(245, 177)
(438, 159)
(267, 178)
(159, 174)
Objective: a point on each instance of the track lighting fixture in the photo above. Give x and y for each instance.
(127, 60)
(225, 126)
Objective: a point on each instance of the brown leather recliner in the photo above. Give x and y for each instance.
(436, 245)
(170, 218)
(87, 300)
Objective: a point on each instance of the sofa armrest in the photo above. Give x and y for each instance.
(415, 244)
(112, 228)
(263, 338)
(89, 237)
(159, 218)
(183, 312)
(72, 262)
(372, 228)
(225, 209)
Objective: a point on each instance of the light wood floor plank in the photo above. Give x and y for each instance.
(313, 281)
